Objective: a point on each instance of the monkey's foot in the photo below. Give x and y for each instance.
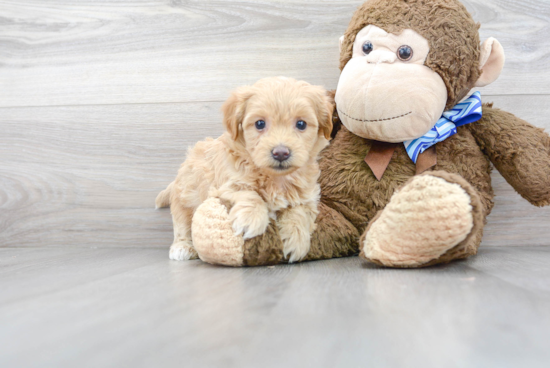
(434, 218)
(214, 237)
(216, 242)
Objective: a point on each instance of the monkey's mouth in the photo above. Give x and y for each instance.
(375, 120)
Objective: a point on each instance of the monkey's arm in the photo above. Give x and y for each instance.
(519, 151)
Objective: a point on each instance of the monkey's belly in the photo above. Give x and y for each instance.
(349, 186)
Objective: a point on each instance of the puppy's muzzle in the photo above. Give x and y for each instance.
(281, 153)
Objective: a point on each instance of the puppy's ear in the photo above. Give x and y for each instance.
(234, 110)
(325, 115)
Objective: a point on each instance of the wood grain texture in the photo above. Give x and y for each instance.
(100, 99)
(135, 308)
(87, 176)
(61, 52)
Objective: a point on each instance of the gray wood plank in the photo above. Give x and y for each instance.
(87, 176)
(59, 52)
(132, 307)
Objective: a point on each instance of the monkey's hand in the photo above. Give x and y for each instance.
(519, 151)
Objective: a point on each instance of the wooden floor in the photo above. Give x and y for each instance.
(99, 100)
(135, 308)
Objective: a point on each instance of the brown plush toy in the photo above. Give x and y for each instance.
(406, 180)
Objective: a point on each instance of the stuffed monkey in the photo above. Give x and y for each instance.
(406, 180)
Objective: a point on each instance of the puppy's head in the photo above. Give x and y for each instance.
(281, 122)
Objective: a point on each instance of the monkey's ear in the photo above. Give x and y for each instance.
(340, 42)
(234, 110)
(491, 62)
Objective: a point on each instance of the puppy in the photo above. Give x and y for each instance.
(264, 166)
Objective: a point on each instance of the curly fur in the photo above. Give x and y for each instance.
(521, 152)
(239, 167)
(352, 198)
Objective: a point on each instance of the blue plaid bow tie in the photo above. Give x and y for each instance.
(464, 113)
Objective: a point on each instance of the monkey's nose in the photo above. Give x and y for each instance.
(381, 56)
(280, 153)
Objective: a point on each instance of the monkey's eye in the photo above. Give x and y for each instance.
(301, 125)
(405, 53)
(260, 125)
(367, 47)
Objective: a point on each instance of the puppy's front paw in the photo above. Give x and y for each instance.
(182, 251)
(249, 219)
(296, 242)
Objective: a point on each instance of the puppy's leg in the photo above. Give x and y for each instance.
(182, 248)
(295, 227)
(249, 214)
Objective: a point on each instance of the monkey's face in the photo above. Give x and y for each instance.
(385, 92)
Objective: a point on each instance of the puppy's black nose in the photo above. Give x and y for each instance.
(280, 153)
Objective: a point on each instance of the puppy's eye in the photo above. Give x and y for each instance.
(367, 47)
(405, 53)
(301, 125)
(260, 125)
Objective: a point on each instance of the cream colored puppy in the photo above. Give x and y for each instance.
(264, 166)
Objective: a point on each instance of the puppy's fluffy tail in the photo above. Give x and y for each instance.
(163, 199)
